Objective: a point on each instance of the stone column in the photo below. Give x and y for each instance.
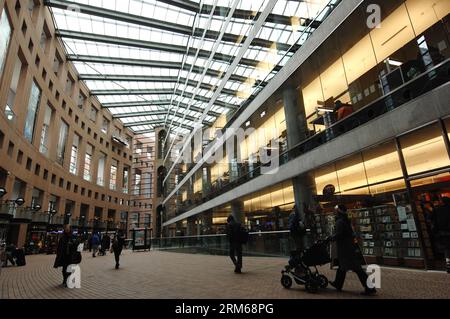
(237, 210)
(190, 231)
(297, 131)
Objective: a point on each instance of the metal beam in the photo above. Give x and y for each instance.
(156, 113)
(143, 132)
(150, 78)
(158, 24)
(157, 103)
(149, 45)
(222, 12)
(151, 64)
(128, 78)
(133, 92)
(153, 122)
(163, 92)
(119, 16)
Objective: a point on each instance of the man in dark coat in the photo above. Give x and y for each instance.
(297, 229)
(11, 254)
(233, 231)
(117, 246)
(67, 246)
(106, 244)
(95, 243)
(348, 258)
(441, 228)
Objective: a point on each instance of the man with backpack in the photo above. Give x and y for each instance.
(237, 236)
(297, 229)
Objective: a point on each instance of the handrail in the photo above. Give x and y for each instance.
(223, 235)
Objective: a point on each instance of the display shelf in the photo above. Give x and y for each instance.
(386, 231)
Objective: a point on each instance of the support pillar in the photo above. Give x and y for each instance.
(190, 230)
(297, 131)
(22, 235)
(237, 210)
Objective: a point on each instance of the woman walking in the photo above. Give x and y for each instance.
(65, 253)
(348, 258)
(117, 246)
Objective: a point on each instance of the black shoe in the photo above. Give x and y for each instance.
(238, 271)
(333, 284)
(369, 292)
(117, 266)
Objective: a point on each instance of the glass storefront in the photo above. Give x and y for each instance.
(391, 212)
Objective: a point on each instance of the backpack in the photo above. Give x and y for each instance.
(243, 235)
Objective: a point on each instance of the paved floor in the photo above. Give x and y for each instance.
(161, 275)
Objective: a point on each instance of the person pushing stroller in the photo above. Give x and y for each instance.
(347, 255)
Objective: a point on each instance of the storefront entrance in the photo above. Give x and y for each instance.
(426, 199)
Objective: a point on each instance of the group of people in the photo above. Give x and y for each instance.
(70, 247)
(344, 237)
(348, 256)
(99, 244)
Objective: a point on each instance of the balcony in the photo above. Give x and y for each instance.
(39, 218)
(111, 225)
(119, 140)
(424, 83)
(97, 224)
(57, 220)
(7, 210)
(23, 213)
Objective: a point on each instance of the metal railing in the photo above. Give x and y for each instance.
(57, 220)
(39, 218)
(7, 208)
(23, 213)
(270, 244)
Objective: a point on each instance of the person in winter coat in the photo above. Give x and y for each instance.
(233, 230)
(106, 244)
(67, 246)
(297, 229)
(347, 255)
(117, 245)
(441, 228)
(95, 243)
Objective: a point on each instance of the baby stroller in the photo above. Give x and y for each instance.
(303, 268)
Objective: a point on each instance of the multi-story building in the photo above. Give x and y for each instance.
(64, 158)
(359, 115)
(340, 102)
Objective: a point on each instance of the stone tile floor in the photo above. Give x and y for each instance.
(165, 275)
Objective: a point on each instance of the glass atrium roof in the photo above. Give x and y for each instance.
(177, 63)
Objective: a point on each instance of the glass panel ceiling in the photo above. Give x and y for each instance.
(163, 57)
